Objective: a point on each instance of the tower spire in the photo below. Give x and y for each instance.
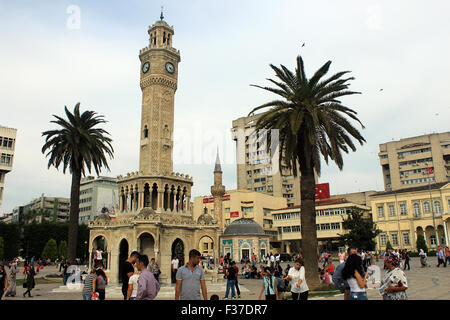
(218, 167)
(162, 14)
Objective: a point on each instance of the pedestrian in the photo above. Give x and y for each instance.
(127, 271)
(133, 285)
(236, 268)
(65, 273)
(407, 259)
(269, 287)
(272, 261)
(3, 281)
(394, 283)
(441, 257)
(154, 268)
(191, 278)
(423, 259)
(100, 284)
(30, 280)
(354, 274)
(98, 258)
(230, 274)
(277, 260)
(148, 287)
(341, 257)
(296, 275)
(330, 267)
(174, 268)
(339, 282)
(447, 255)
(13, 270)
(88, 289)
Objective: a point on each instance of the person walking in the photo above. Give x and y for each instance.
(447, 256)
(236, 269)
(100, 284)
(230, 274)
(394, 283)
(339, 282)
(154, 268)
(191, 278)
(406, 260)
(88, 288)
(441, 259)
(423, 259)
(269, 287)
(30, 280)
(296, 275)
(354, 274)
(127, 271)
(65, 273)
(133, 285)
(174, 268)
(148, 287)
(3, 281)
(13, 270)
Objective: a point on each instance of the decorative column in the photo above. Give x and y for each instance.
(160, 201)
(446, 232)
(141, 200)
(120, 203)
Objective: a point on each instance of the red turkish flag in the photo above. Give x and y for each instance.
(322, 191)
(430, 170)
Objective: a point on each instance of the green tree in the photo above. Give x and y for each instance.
(2, 249)
(311, 121)
(78, 145)
(50, 250)
(361, 232)
(389, 246)
(62, 249)
(421, 243)
(10, 232)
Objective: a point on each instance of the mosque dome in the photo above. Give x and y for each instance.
(244, 226)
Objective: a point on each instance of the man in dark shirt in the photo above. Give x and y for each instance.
(127, 271)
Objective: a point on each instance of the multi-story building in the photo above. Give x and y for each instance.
(415, 161)
(238, 204)
(97, 195)
(330, 214)
(7, 146)
(48, 209)
(257, 169)
(403, 214)
(7, 218)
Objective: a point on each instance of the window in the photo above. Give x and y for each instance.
(403, 210)
(270, 188)
(295, 228)
(335, 226)
(287, 229)
(249, 181)
(246, 209)
(433, 240)
(205, 246)
(227, 210)
(437, 207)
(380, 211)
(394, 237)
(406, 238)
(227, 222)
(391, 210)
(416, 209)
(145, 131)
(383, 240)
(426, 207)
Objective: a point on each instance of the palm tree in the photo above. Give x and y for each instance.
(311, 122)
(77, 145)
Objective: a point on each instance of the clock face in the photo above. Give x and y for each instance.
(170, 67)
(145, 67)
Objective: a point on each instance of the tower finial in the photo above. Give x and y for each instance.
(217, 167)
(162, 14)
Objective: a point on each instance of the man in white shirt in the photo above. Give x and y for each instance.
(99, 257)
(296, 276)
(174, 268)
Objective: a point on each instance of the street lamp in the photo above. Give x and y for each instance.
(85, 250)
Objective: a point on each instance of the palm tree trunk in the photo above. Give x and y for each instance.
(308, 226)
(74, 215)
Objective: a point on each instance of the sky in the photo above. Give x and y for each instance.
(57, 53)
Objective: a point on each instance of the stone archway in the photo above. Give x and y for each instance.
(206, 246)
(146, 245)
(178, 250)
(123, 255)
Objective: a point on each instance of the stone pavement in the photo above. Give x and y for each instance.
(424, 283)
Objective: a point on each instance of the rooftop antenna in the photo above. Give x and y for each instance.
(162, 14)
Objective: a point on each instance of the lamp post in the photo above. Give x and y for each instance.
(85, 250)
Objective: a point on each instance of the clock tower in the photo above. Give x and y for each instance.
(158, 80)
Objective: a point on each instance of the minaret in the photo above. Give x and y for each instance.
(218, 190)
(159, 78)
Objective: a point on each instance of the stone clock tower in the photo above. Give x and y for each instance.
(158, 80)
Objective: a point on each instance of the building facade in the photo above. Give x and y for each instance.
(47, 209)
(405, 163)
(330, 214)
(7, 147)
(97, 195)
(257, 169)
(404, 214)
(154, 215)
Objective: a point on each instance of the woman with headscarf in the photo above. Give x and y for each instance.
(30, 279)
(11, 291)
(394, 283)
(423, 259)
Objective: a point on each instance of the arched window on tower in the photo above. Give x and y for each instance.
(168, 39)
(164, 37)
(145, 131)
(154, 38)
